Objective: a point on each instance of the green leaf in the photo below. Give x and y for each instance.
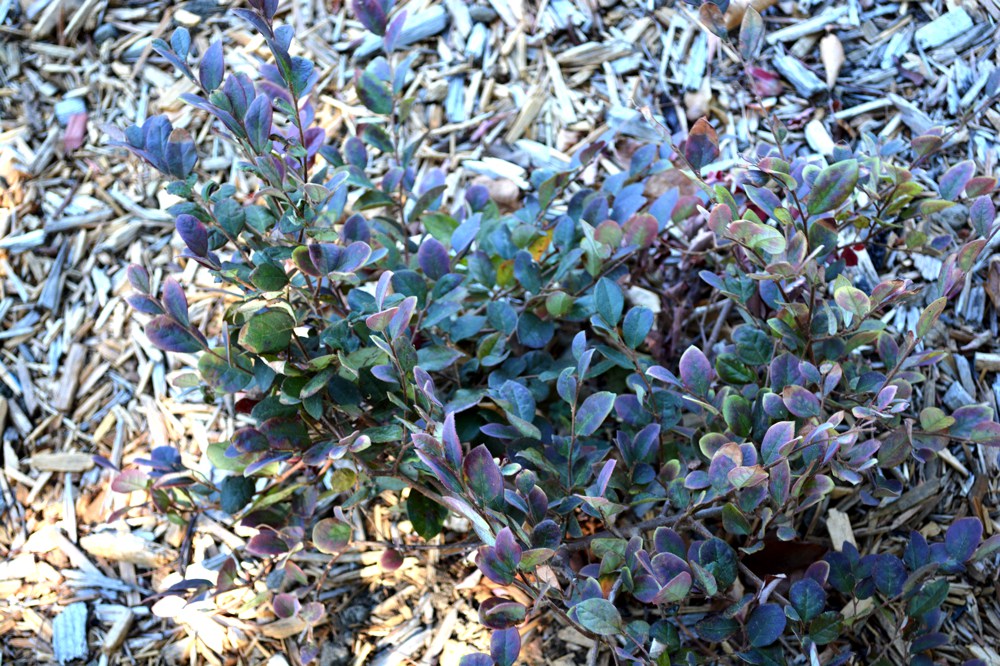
(269, 277)
(267, 332)
(218, 373)
(757, 236)
(929, 598)
(733, 371)
(736, 412)
(808, 598)
(609, 301)
(373, 92)
(331, 536)
(826, 628)
(833, 186)
(638, 322)
(342, 479)
(733, 520)
(437, 358)
(235, 492)
(852, 300)
(426, 515)
(933, 419)
(930, 315)
(598, 616)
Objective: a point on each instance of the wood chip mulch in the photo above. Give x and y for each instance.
(505, 86)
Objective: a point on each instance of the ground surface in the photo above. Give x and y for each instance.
(500, 80)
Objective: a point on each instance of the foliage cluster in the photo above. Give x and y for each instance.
(494, 363)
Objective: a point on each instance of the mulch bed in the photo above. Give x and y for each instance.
(504, 87)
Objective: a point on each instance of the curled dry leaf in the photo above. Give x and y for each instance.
(503, 191)
(737, 8)
(831, 51)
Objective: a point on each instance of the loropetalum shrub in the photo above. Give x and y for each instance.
(492, 364)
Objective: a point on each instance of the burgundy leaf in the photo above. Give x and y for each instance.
(483, 475)
(702, 145)
(168, 335)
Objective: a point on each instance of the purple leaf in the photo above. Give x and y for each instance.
(382, 288)
(138, 278)
(175, 301)
(227, 118)
(179, 154)
(605, 476)
(372, 14)
(129, 481)
(645, 440)
(780, 482)
(391, 560)
(452, 444)
(777, 441)
(953, 180)
(324, 257)
(889, 574)
(983, 214)
(667, 565)
(505, 645)
(393, 31)
(257, 122)
(483, 475)
(666, 540)
(249, 440)
(592, 413)
(266, 543)
(765, 625)
(800, 402)
(441, 471)
(144, 304)
(193, 233)
(702, 145)
(402, 317)
(696, 371)
(675, 590)
(477, 197)
(239, 90)
(433, 258)
(507, 548)
(267, 8)
(380, 320)
(285, 605)
(962, 538)
(353, 257)
(493, 567)
(167, 335)
(212, 67)
(476, 659)
(986, 433)
(833, 186)
(498, 613)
